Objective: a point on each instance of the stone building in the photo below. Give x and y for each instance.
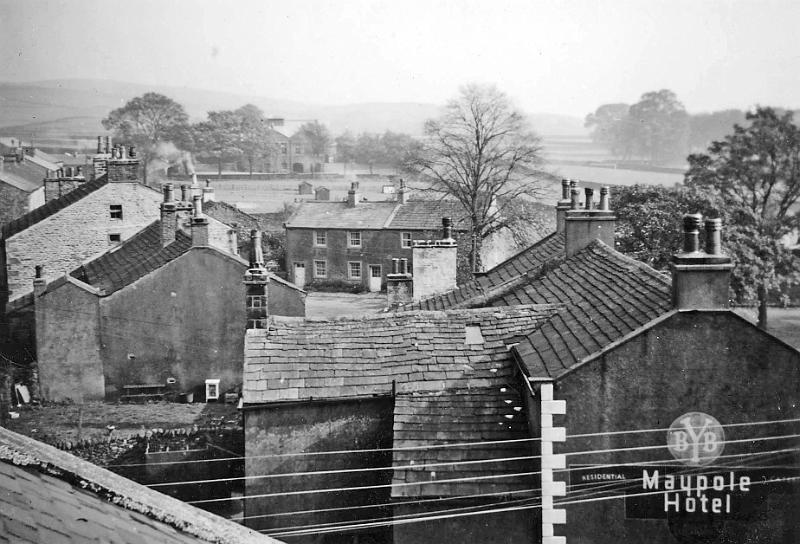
(617, 381)
(81, 224)
(354, 241)
(165, 307)
(52, 496)
(21, 189)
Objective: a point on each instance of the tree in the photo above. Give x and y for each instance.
(318, 136)
(219, 136)
(662, 126)
(705, 128)
(649, 219)
(345, 147)
(482, 153)
(147, 121)
(611, 127)
(397, 148)
(255, 136)
(756, 173)
(369, 150)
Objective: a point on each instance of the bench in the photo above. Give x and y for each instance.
(142, 392)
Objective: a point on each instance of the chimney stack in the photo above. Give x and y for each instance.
(352, 195)
(701, 279)
(208, 192)
(434, 264)
(123, 164)
(39, 283)
(256, 282)
(399, 284)
(199, 224)
(62, 182)
(583, 226)
(563, 205)
(169, 216)
(403, 194)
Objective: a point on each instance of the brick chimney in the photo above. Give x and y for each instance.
(352, 195)
(256, 285)
(123, 165)
(62, 181)
(199, 223)
(564, 204)
(100, 160)
(434, 261)
(593, 222)
(169, 216)
(700, 278)
(208, 192)
(403, 194)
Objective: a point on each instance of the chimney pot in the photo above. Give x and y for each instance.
(132, 152)
(38, 269)
(604, 205)
(691, 232)
(108, 145)
(198, 206)
(256, 253)
(447, 228)
(576, 198)
(565, 189)
(395, 266)
(404, 265)
(168, 192)
(184, 192)
(99, 144)
(713, 236)
(589, 204)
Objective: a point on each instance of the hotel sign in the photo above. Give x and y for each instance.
(694, 487)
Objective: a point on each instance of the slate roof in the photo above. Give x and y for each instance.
(34, 216)
(22, 175)
(318, 214)
(605, 296)
(427, 215)
(51, 496)
(133, 259)
(475, 292)
(413, 215)
(222, 211)
(448, 391)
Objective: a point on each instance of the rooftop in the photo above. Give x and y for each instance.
(449, 390)
(472, 293)
(22, 175)
(387, 214)
(52, 496)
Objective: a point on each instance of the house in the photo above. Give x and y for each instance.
(625, 383)
(52, 496)
(86, 221)
(305, 188)
(164, 308)
(354, 241)
(292, 151)
(21, 188)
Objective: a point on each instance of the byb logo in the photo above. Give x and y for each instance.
(696, 439)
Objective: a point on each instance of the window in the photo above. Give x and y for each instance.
(405, 239)
(298, 149)
(115, 210)
(114, 238)
(320, 238)
(320, 269)
(284, 149)
(354, 270)
(354, 239)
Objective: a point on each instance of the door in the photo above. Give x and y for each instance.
(374, 278)
(300, 274)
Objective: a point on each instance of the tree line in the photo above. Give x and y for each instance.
(657, 128)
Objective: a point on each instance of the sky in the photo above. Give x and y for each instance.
(564, 57)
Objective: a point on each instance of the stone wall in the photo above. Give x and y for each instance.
(80, 231)
(13, 202)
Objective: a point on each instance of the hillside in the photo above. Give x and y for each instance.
(59, 111)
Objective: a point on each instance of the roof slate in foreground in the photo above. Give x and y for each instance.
(447, 391)
(475, 292)
(51, 496)
(605, 296)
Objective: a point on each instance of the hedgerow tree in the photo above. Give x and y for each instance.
(482, 153)
(755, 172)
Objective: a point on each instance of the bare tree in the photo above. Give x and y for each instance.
(481, 152)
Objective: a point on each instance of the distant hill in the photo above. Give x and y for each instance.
(62, 110)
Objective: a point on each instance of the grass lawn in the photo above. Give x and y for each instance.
(53, 423)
